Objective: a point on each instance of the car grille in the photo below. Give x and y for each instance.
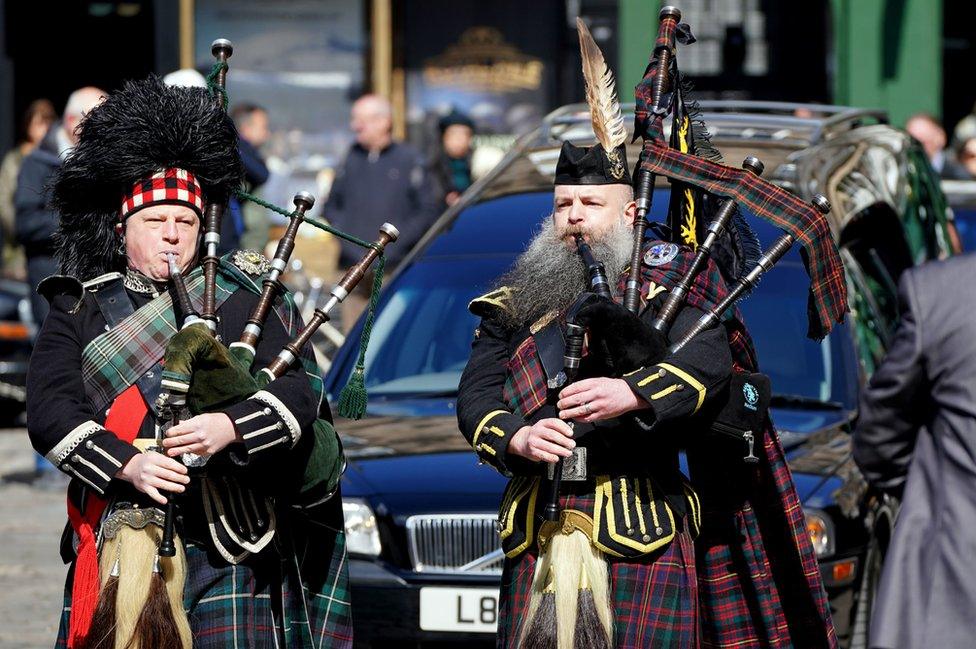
(455, 543)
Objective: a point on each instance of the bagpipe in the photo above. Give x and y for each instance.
(579, 614)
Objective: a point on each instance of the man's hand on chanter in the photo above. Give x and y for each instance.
(547, 440)
(203, 435)
(153, 472)
(597, 399)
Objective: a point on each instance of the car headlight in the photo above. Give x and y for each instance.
(362, 535)
(820, 529)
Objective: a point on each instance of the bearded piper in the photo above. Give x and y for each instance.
(617, 568)
(132, 194)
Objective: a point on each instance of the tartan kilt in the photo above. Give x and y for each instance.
(655, 599)
(759, 578)
(294, 594)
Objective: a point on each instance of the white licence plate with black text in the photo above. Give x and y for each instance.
(473, 610)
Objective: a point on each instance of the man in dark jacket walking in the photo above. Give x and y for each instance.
(917, 432)
(35, 222)
(380, 180)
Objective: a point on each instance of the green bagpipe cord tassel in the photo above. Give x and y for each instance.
(353, 398)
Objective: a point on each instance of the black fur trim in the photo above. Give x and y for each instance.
(144, 127)
(750, 249)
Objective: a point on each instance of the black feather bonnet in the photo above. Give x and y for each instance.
(143, 128)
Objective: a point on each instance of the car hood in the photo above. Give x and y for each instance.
(404, 457)
(416, 464)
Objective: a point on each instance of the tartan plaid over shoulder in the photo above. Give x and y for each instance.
(778, 598)
(827, 301)
(116, 359)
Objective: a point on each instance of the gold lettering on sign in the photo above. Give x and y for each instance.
(482, 60)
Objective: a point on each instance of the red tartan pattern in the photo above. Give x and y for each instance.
(655, 600)
(828, 289)
(726, 621)
(766, 590)
(525, 387)
(644, 91)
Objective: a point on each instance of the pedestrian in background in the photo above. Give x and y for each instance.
(917, 434)
(38, 117)
(930, 134)
(967, 160)
(35, 222)
(253, 130)
(380, 180)
(451, 166)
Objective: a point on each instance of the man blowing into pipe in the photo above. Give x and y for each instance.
(618, 568)
(633, 507)
(629, 558)
(132, 194)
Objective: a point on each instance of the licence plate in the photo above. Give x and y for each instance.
(474, 610)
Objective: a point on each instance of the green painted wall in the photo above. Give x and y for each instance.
(886, 54)
(637, 22)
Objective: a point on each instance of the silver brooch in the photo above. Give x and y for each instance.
(660, 254)
(251, 262)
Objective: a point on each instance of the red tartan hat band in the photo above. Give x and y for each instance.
(166, 187)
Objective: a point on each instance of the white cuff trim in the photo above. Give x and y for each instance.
(71, 441)
(291, 423)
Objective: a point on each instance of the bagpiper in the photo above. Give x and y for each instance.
(615, 565)
(606, 379)
(249, 565)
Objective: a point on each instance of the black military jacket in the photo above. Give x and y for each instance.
(634, 459)
(64, 427)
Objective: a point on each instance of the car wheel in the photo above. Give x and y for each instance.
(873, 560)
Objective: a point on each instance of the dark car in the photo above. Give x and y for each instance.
(421, 513)
(961, 196)
(15, 336)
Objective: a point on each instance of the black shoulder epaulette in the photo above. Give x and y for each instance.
(490, 303)
(55, 285)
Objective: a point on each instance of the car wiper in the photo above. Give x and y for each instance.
(801, 401)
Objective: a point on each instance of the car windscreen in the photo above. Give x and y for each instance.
(422, 334)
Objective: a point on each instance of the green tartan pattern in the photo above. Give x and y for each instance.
(118, 358)
(115, 360)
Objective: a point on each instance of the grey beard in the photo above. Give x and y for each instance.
(549, 276)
